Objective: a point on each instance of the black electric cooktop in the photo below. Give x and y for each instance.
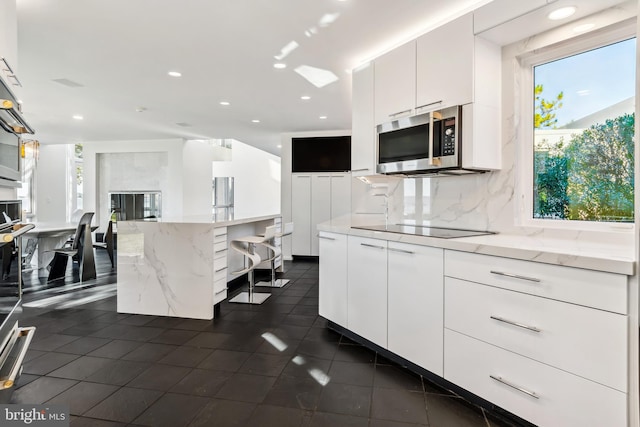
(424, 230)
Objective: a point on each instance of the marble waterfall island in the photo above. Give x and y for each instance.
(178, 268)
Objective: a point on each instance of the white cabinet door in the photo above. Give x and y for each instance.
(445, 65)
(332, 304)
(367, 290)
(9, 42)
(363, 134)
(415, 283)
(395, 83)
(301, 214)
(320, 206)
(340, 195)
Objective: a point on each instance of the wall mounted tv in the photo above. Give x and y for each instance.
(321, 154)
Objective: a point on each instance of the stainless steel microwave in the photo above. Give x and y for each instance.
(424, 143)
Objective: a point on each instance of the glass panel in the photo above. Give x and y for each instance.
(223, 198)
(584, 113)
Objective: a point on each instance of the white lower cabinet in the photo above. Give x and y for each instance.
(332, 304)
(537, 392)
(581, 340)
(415, 311)
(545, 342)
(219, 264)
(367, 289)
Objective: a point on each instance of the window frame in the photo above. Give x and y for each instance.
(525, 134)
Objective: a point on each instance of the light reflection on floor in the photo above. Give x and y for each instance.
(318, 375)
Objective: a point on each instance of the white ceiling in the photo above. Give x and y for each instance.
(121, 50)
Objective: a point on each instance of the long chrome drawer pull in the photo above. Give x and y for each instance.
(27, 333)
(515, 276)
(429, 104)
(359, 170)
(520, 389)
(223, 268)
(219, 292)
(221, 250)
(400, 112)
(372, 246)
(326, 238)
(519, 325)
(401, 251)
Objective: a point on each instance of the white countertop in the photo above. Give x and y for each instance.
(572, 253)
(207, 219)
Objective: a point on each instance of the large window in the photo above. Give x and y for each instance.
(583, 134)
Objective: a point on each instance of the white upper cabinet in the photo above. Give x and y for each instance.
(445, 65)
(395, 83)
(8, 41)
(362, 122)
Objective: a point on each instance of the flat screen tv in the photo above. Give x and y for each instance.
(321, 154)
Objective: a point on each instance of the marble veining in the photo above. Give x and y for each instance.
(170, 273)
(166, 268)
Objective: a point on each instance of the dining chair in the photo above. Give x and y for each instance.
(80, 249)
(107, 243)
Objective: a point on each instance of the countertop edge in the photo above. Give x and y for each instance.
(225, 223)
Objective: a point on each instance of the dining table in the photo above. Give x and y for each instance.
(50, 236)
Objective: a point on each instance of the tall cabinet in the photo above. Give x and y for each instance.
(316, 198)
(363, 131)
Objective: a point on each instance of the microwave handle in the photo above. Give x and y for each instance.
(438, 116)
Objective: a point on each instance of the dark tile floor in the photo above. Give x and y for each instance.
(270, 365)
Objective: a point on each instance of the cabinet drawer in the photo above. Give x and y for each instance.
(607, 291)
(219, 246)
(219, 231)
(220, 282)
(561, 399)
(220, 256)
(585, 341)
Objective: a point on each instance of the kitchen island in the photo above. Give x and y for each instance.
(179, 267)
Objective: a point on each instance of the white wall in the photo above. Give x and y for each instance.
(197, 177)
(172, 195)
(256, 182)
(286, 196)
(51, 184)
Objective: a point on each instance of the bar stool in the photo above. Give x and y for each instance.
(276, 252)
(246, 246)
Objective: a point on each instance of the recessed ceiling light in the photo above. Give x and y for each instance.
(225, 103)
(584, 27)
(78, 117)
(563, 12)
(280, 65)
(279, 146)
(175, 74)
(323, 117)
(141, 109)
(305, 97)
(255, 121)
